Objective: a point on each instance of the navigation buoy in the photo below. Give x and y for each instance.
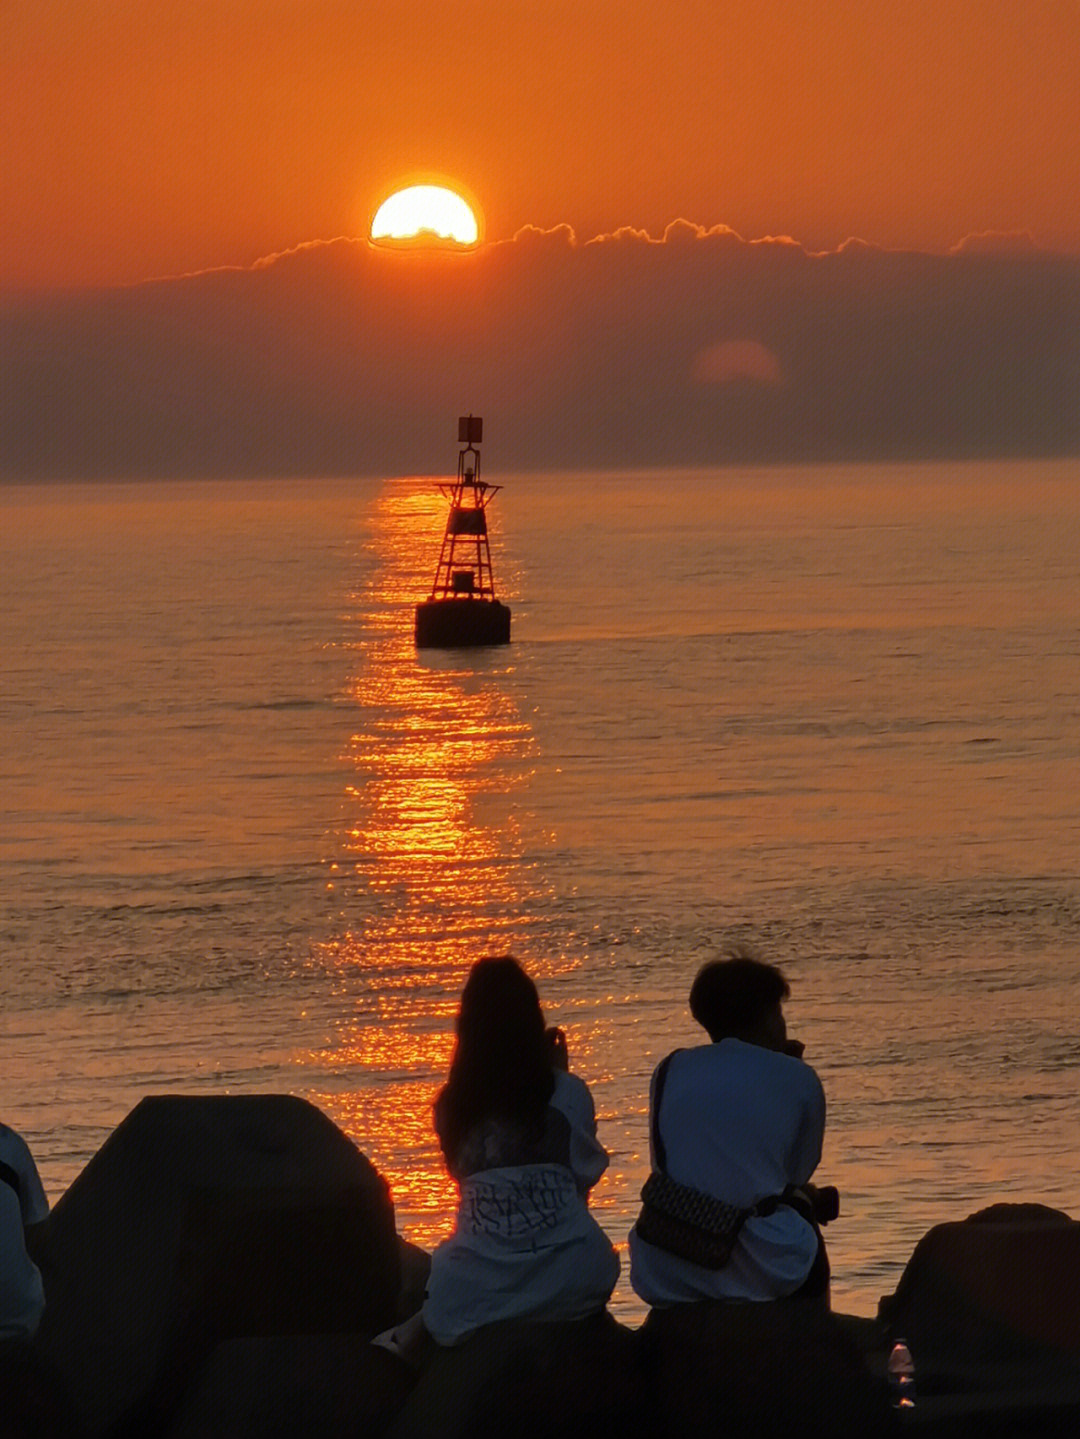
(463, 611)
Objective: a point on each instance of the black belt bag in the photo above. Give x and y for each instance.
(684, 1221)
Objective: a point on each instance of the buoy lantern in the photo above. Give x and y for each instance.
(463, 611)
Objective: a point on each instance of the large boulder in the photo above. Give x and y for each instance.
(33, 1404)
(990, 1309)
(1001, 1286)
(200, 1220)
(332, 1386)
(531, 1380)
(761, 1371)
(415, 1268)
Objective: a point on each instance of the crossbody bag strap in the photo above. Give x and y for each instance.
(659, 1153)
(764, 1206)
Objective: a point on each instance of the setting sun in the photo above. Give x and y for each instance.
(425, 211)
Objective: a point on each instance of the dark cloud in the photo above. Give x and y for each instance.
(699, 347)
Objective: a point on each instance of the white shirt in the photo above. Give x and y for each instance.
(525, 1245)
(739, 1122)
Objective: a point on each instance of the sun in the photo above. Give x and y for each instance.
(426, 212)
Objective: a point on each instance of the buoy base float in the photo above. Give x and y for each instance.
(462, 611)
(456, 624)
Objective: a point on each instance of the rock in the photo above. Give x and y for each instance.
(199, 1220)
(990, 1309)
(531, 1380)
(761, 1371)
(999, 1287)
(33, 1404)
(415, 1268)
(1018, 1214)
(331, 1386)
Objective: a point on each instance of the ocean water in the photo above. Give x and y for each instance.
(251, 841)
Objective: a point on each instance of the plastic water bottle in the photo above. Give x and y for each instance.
(901, 1370)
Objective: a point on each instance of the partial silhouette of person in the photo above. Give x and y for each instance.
(518, 1133)
(18, 1167)
(740, 1119)
(23, 1207)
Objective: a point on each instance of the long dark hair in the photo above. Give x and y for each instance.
(501, 1067)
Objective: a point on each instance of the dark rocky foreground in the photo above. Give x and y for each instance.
(221, 1265)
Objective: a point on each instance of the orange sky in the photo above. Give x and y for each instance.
(145, 139)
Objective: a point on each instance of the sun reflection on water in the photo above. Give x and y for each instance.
(438, 860)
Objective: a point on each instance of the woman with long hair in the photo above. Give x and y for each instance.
(518, 1133)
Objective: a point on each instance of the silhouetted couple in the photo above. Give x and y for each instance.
(738, 1121)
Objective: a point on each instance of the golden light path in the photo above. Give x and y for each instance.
(425, 211)
(435, 868)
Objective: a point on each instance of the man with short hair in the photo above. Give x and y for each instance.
(741, 1119)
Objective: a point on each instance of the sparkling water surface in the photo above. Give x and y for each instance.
(252, 841)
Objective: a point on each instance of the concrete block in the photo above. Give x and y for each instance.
(532, 1380)
(332, 1386)
(761, 1371)
(202, 1219)
(999, 1289)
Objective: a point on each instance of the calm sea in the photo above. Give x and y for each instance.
(252, 841)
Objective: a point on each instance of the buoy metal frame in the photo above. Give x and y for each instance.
(466, 524)
(462, 609)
